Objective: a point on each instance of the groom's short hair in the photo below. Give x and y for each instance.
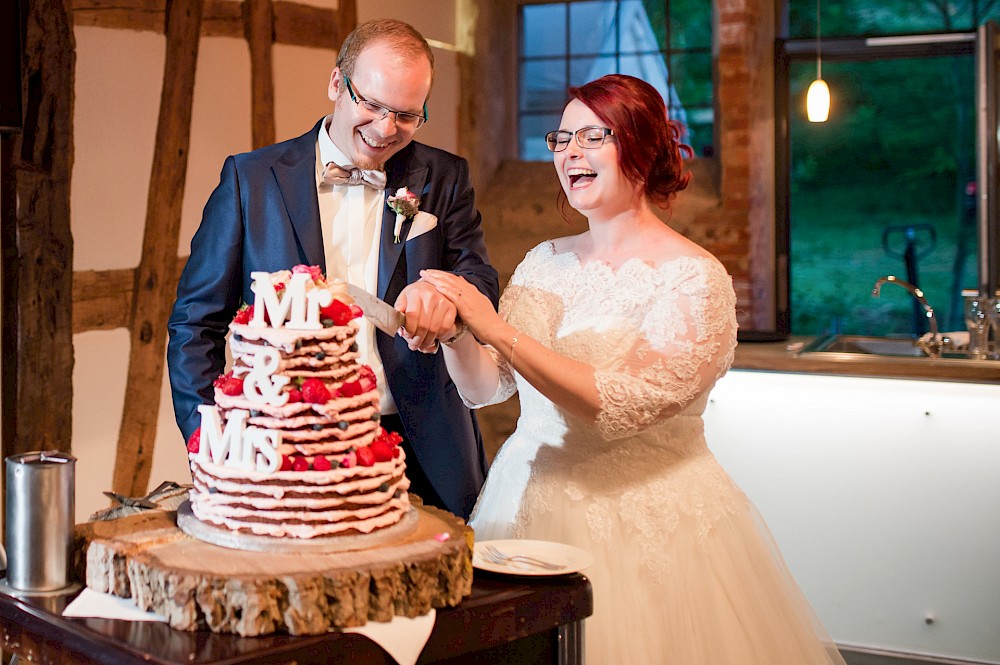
(401, 36)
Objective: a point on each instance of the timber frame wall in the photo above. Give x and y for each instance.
(45, 301)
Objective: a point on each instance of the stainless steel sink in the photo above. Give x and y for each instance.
(845, 347)
(878, 346)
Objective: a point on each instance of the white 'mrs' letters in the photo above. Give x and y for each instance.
(239, 446)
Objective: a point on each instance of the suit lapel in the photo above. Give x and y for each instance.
(401, 171)
(295, 172)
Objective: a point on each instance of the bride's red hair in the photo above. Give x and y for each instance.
(649, 149)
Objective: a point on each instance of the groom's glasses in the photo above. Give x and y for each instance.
(586, 137)
(402, 119)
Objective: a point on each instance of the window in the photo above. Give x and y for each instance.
(888, 185)
(565, 44)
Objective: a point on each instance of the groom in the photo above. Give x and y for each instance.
(301, 202)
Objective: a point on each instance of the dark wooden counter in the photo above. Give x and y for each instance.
(505, 620)
(776, 357)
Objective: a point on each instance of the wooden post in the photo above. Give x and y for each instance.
(156, 276)
(259, 31)
(39, 417)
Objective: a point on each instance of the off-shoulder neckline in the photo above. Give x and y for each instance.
(570, 254)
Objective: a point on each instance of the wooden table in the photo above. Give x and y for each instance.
(505, 620)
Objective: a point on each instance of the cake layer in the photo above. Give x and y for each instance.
(303, 504)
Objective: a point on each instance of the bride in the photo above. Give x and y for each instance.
(614, 338)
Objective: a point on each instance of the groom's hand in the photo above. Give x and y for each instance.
(429, 316)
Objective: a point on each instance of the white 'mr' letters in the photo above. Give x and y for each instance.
(290, 306)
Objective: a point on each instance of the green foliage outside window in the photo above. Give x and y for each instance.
(894, 161)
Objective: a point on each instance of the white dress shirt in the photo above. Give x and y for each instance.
(351, 217)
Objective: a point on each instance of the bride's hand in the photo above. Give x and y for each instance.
(474, 309)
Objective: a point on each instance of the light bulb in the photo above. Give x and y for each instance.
(818, 101)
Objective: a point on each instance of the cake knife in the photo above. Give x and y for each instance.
(385, 317)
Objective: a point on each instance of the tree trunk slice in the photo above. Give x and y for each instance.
(196, 585)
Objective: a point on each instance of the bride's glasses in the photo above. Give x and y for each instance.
(586, 137)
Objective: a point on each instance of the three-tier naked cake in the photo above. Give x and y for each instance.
(293, 450)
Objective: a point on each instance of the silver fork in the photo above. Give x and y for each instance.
(494, 555)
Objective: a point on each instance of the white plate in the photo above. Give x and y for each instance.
(573, 559)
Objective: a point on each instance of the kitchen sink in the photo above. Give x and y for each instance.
(878, 346)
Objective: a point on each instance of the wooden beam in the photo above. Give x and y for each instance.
(346, 20)
(294, 23)
(259, 31)
(102, 299)
(156, 274)
(313, 26)
(42, 166)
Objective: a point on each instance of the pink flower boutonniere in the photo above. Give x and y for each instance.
(405, 204)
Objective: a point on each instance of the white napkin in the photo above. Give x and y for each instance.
(402, 638)
(92, 603)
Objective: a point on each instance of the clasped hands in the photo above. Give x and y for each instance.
(436, 305)
(430, 316)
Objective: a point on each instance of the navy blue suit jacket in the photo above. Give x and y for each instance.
(264, 216)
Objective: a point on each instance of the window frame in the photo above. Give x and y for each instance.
(834, 49)
(667, 52)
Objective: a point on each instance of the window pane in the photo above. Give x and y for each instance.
(543, 30)
(543, 85)
(650, 68)
(592, 27)
(690, 24)
(880, 189)
(691, 76)
(636, 33)
(532, 131)
(583, 70)
(599, 37)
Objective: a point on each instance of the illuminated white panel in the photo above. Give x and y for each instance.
(883, 496)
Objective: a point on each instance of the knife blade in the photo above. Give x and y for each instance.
(384, 316)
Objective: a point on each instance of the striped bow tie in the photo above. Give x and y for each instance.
(338, 175)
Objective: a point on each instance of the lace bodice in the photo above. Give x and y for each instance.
(657, 337)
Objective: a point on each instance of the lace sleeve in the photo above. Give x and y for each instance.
(506, 386)
(684, 344)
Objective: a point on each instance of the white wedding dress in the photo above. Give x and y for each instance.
(685, 570)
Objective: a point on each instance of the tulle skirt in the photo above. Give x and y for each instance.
(726, 597)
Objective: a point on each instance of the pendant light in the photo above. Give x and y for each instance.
(818, 96)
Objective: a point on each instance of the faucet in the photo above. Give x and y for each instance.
(933, 346)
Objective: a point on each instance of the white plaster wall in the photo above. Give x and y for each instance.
(118, 79)
(882, 495)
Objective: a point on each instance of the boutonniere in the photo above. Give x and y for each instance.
(405, 204)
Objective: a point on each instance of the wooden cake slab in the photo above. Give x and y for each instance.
(198, 585)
